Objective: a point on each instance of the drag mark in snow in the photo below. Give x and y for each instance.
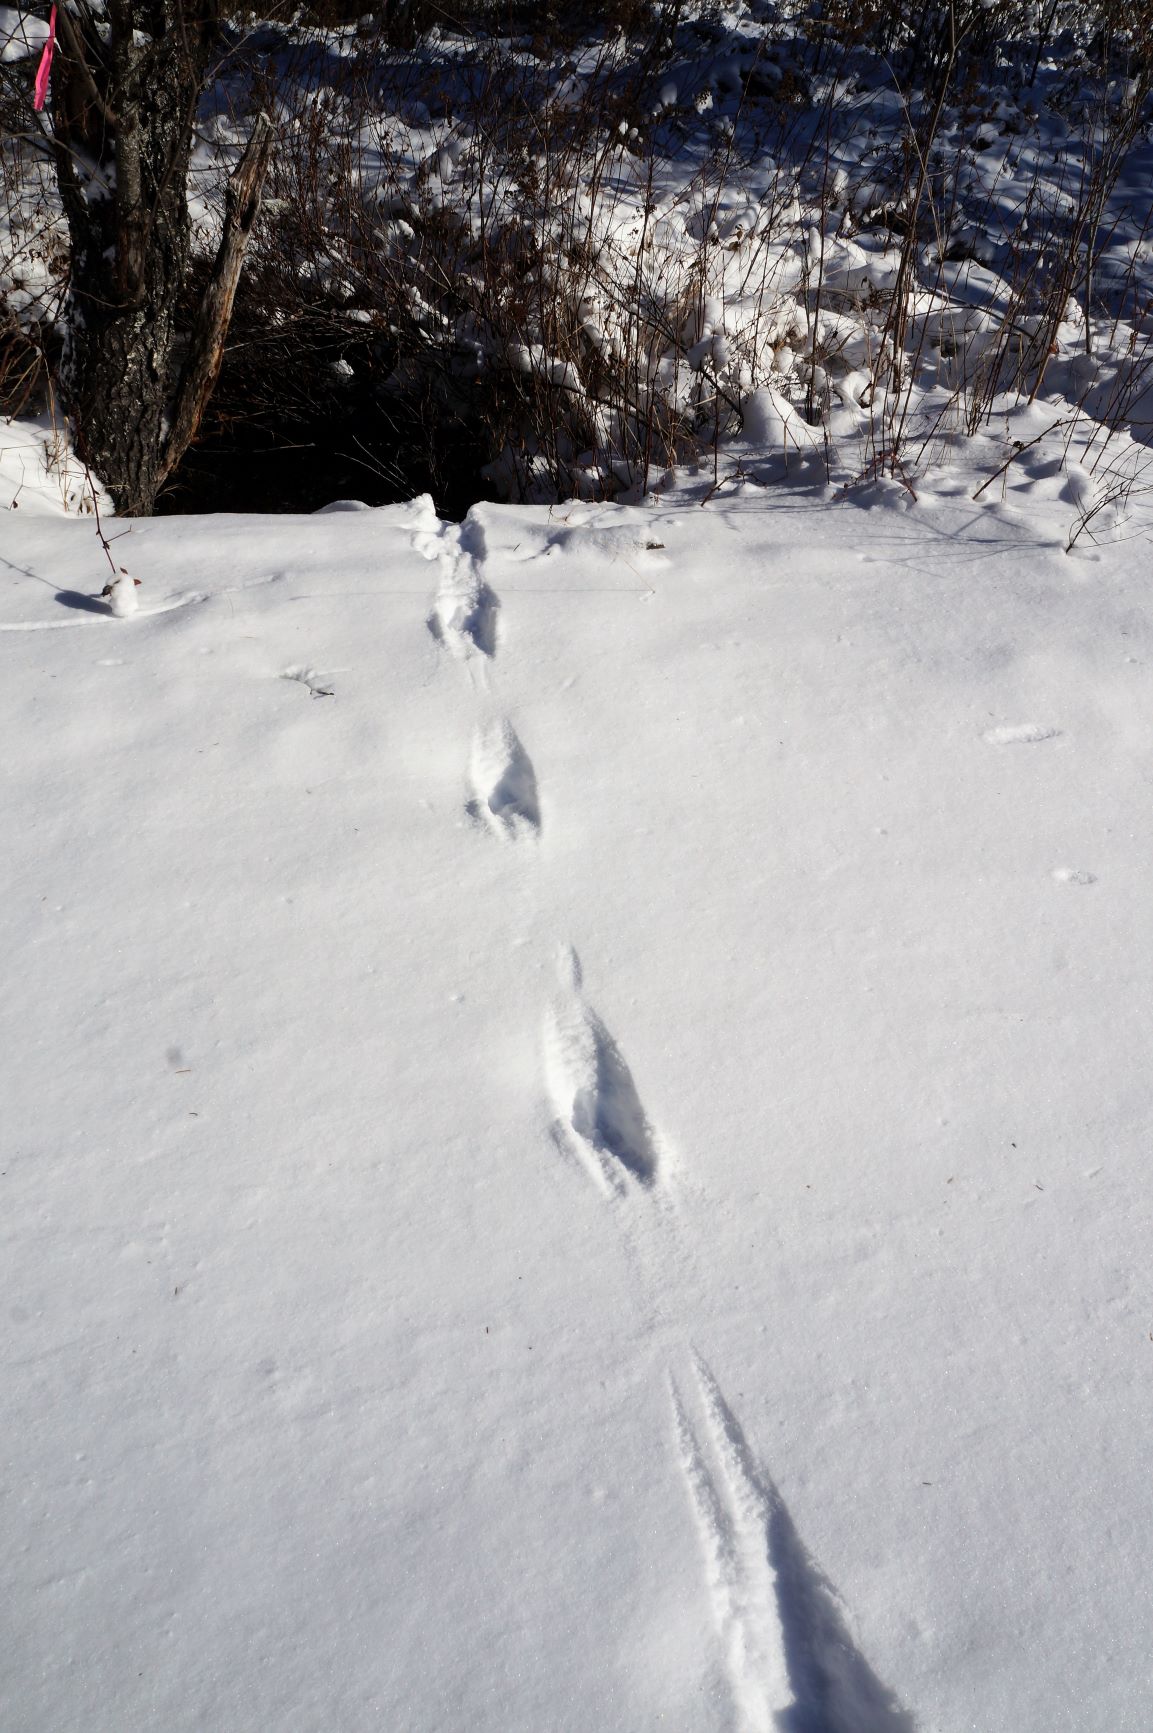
(599, 1114)
(1019, 734)
(465, 611)
(504, 783)
(790, 1658)
(101, 615)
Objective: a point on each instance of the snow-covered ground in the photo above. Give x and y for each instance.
(577, 1097)
(577, 1119)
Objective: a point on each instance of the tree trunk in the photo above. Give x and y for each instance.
(206, 349)
(124, 102)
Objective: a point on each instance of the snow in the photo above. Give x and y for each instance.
(578, 1116)
(21, 34)
(121, 595)
(577, 1112)
(39, 473)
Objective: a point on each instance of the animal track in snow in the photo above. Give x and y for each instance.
(465, 613)
(309, 678)
(599, 1114)
(504, 783)
(790, 1659)
(1019, 734)
(741, 1581)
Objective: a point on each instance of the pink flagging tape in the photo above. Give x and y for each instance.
(40, 95)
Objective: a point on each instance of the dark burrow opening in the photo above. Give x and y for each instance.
(317, 402)
(359, 445)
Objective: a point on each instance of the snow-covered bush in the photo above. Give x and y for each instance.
(846, 236)
(820, 243)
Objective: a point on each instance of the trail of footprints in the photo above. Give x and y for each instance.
(789, 1661)
(465, 618)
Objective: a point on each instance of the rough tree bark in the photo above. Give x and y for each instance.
(206, 347)
(125, 90)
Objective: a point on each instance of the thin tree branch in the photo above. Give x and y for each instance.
(76, 53)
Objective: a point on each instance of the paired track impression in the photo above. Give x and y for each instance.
(791, 1663)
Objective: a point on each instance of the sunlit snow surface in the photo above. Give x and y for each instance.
(576, 1121)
